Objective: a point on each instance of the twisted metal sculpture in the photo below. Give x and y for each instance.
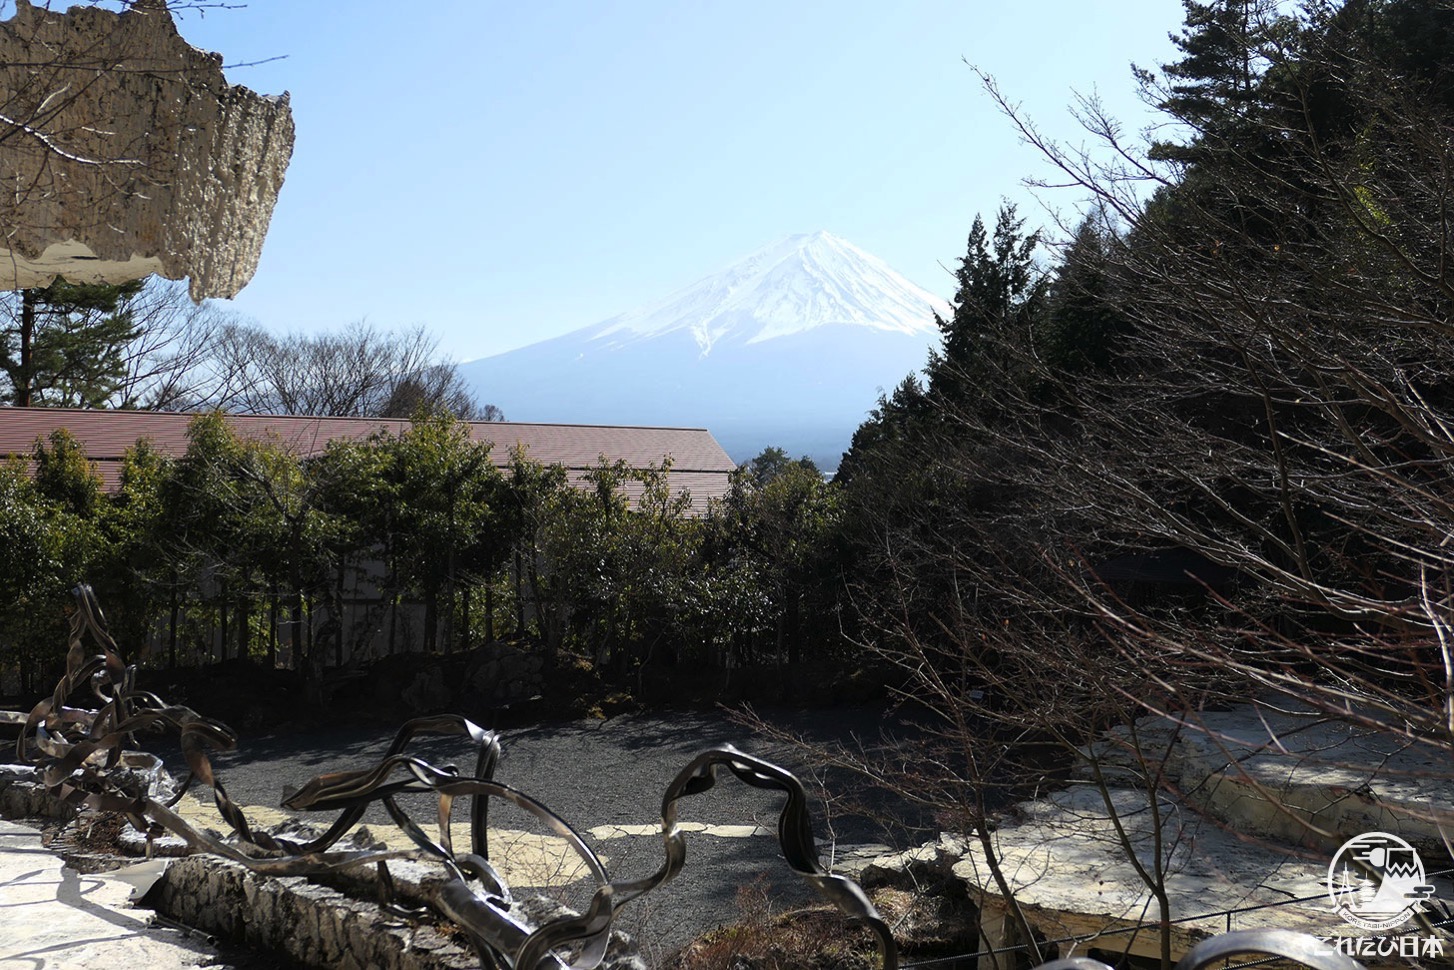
(81, 749)
(84, 762)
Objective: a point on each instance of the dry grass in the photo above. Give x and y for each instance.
(816, 938)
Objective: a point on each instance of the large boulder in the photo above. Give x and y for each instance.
(125, 152)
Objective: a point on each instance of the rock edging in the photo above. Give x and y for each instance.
(316, 925)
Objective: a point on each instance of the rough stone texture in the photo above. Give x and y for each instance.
(1068, 869)
(124, 151)
(314, 925)
(1251, 786)
(497, 674)
(852, 859)
(501, 673)
(339, 924)
(1281, 775)
(23, 796)
(427, 692)
(1248, 785)
(916, 869)
(322, 926)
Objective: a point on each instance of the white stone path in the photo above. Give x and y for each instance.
(54, 918)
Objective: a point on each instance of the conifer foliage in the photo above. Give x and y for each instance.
(64, 345)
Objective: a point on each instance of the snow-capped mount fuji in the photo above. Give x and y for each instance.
(799, 284)
(789, 346)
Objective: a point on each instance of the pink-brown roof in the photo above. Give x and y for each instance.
(699, 465)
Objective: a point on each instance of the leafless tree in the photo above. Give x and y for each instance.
(169, 363)
(359, 371)
(1270, 450)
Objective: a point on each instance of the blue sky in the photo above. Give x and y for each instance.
(503, 173)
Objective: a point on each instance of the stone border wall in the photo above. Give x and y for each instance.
(315, 925)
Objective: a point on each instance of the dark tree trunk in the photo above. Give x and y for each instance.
(24, 379)
(244, 628)
(393, 604)
(273, 629)
(295, 617)
(489, 610)
(172, 627)
(222, 623)
(338, 616)
(431, 621)
(464, 616)
(450, 586)
(519, 599)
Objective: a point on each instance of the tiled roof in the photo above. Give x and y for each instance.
(699, 464)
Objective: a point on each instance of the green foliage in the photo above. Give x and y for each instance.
(1226, 46)
(1295, 240)
(44, 546)
(63, 475)
(1248, 365)
(446, 518)
(769, 542)
(625, 569)
(1083, 323)
(1001, 294)
(773, 463)
(131, 581)
(65, 344)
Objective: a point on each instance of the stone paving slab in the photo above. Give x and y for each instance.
(54, 918)
(1285, 775)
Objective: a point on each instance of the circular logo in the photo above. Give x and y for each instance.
(1376, 880)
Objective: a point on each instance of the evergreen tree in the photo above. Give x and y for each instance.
(1083, 319)
(1001, 293)
(895, 419)
(1226, 47)
(65, 476)
(65, 344)
(446, 520)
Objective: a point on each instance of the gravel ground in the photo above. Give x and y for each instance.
(613, 772)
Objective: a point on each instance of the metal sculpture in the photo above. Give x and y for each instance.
(80, 751)
(84, 762)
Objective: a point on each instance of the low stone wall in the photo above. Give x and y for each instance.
(315, 925)
(21, 797)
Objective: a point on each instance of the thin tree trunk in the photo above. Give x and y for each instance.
(24, 379)
(464, 616)
(431, 621)
(450, 586)
(393, 604)
(794, 622)
(490, 610)
(222, 623)
(244, 628)
(546, 618)
(172, 627)
(338, 617)
(393, 625)
(273, 628)
(519, 599)
(295, 616)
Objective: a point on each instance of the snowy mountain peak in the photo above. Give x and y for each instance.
(787, 347)
(797, 284)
